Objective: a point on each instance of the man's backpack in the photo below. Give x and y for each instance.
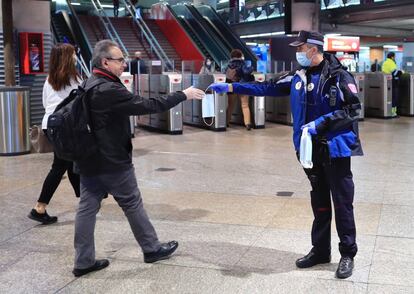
(69, 127)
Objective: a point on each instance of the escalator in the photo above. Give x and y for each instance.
(224, 32)
(67, 29)
(205, 41)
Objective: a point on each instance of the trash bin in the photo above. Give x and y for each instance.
(14, 120)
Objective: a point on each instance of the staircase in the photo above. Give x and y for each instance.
(94, 29)
(131, 37)
(165, 45)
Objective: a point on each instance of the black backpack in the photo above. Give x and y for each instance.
(69, 127)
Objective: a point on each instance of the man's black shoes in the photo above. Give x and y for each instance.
(312, 259)
(345, 267)
(44, 218)
(99, 264)
(164, 252)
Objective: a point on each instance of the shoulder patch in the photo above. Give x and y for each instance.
(353, 88)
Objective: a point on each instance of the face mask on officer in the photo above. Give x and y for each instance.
(303, 60)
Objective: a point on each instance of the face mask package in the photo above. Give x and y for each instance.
(305, 152)
(207, 108)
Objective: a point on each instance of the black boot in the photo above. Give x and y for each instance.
(312, 259)
(99, 264)
(44, 218)
(248, 127)
(164, 252)
(345, 267)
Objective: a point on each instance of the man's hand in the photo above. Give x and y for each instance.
(193, 93)
(311, 128)
(219, 87)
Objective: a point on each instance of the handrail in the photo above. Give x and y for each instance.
(79, 27)
(108, 26)
(148, 34)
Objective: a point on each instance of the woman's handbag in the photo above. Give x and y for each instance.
(39, 141)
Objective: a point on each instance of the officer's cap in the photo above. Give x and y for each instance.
(304, 37)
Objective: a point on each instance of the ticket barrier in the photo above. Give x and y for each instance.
(156, 85)
(278, 109)
(378, 96)
(128, 80)
(360, 80)
(257, 108)
(406, 95)
(192, 109)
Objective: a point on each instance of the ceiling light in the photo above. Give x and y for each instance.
(262, 35)
(390, 47)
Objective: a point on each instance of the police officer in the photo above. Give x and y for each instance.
(324, 99)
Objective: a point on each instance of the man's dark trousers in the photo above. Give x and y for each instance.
(123, 186)
(332, 176)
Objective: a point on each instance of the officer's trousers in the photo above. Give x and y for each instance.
(334, 177)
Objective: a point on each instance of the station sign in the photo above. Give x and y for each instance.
(342, 44)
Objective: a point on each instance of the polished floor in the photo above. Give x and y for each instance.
(237, 202)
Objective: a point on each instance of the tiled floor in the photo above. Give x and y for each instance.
(220, 198)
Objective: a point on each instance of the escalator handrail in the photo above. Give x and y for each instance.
(148, 34)
(224, 26)
(79, 27)
(111, 27)
(217, 58)
(203, 49)
(197, 16)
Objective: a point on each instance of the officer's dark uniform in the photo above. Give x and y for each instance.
(327, 95)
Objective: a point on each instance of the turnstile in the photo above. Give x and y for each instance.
(192, 109)
(155, 85)
(361, 84)
(278, 109)
(128, 80)
(256, 106)
(378, 89)
(406, 99)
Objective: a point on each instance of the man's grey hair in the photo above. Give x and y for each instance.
(101, 50)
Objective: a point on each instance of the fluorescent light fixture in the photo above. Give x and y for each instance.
(390, 47)
(262, 35)
(332, 35)
(75, 3)
(223, 1)
(121, 9)
(251, 43)
(107, 6)
(363, 48)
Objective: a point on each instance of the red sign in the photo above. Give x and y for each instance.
(342, 44)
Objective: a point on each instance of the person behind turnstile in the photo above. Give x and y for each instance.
(324, 99)
(208, 67)
(238, 71)
(390, 67)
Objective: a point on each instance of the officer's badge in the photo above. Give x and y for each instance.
(298, 85)
(310, 87)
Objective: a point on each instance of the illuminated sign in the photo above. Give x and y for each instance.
(342, 44)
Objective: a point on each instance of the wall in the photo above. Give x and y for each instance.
(376, 53)
(31, 16)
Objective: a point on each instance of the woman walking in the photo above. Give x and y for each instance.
(62, 79)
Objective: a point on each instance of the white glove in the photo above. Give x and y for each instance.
(193, 93)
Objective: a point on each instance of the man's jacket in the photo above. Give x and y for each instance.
(111, 104)
(337, 103)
